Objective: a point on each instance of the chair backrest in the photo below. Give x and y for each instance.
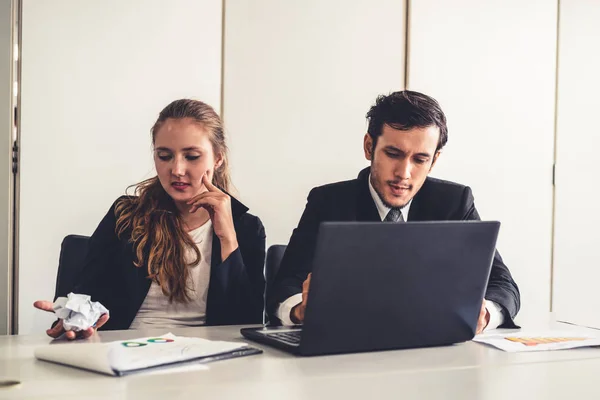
(274, 256)
(272, 262)
(74, 249)
(72, 255)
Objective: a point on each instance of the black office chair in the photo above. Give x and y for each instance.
(72, 255)
(274, 256)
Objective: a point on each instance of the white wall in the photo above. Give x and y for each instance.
(95, 76)
(492, 67)
(299, 79)
(576, 265)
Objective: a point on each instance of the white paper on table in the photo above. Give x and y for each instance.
(178, 369)
(126, 356)
(539, 340)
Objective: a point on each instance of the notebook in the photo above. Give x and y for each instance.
(143, 354)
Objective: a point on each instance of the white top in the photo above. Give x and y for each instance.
(285, 308)
(157, 312)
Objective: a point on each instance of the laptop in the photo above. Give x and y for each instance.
(382, 286)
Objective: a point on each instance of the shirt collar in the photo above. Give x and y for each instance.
(382, 208)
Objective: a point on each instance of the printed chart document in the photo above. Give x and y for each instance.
(137, 355)
(539, 340)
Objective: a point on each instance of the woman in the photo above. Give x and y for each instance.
(182, 252)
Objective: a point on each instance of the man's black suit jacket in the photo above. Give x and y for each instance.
(437, 200)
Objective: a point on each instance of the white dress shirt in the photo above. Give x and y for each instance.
(285, 308)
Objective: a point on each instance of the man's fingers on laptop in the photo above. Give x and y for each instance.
(305, 288)
(483, 319)
(297, 313)
(304, 294)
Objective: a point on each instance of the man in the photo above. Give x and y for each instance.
(406, 133)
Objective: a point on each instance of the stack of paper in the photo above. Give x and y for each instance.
(135, 355)
(539, 341)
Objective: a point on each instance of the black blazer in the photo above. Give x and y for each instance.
(236, 288)
(437, 200)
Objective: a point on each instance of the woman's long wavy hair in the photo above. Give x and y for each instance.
(151, 221)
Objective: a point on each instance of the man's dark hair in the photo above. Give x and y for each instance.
(405, 110)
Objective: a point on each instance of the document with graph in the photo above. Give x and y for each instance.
(540, 340)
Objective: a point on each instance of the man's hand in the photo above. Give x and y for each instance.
(484, 319)
(297, 313)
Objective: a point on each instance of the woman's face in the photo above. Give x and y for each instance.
(183, 153)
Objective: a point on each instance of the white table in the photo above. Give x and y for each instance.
(465, 371)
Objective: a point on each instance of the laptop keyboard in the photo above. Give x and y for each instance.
(291, 337)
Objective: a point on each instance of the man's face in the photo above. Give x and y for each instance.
(401, 161)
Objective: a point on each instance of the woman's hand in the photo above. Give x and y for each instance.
(59, 329)
(218, 205)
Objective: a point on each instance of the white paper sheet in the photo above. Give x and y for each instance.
(178, 370)
(116, 358)
(78, 311)
(541, 340)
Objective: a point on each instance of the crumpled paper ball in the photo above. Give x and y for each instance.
(78, 311)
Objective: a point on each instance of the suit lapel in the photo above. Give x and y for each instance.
(415, 214)
(217, 300)
(366, 210)
(418, 207)
(215, 257)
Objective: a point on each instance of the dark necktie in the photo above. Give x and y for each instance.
(394, 215)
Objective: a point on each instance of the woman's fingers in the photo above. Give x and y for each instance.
(87, 333)
(209, 186)
(56, 331)
(71, 335)
(59, 329)
(44, 305)
(205, 201)
(102, 320)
